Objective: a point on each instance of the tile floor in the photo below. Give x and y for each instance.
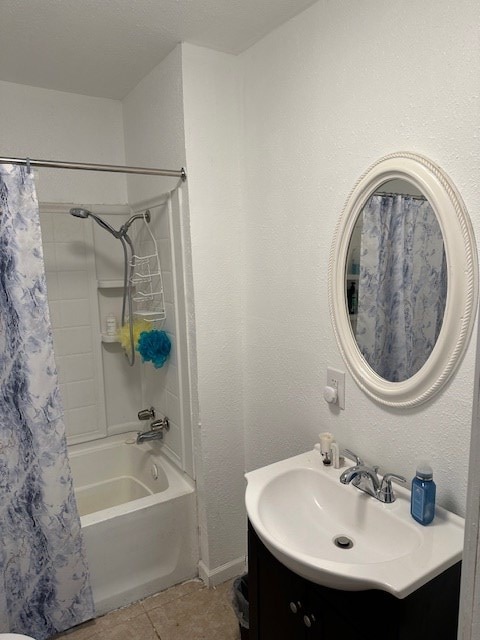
(188, 611)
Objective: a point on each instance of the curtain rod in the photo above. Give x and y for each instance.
(394, 195)
(87, 166)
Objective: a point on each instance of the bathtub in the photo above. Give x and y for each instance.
(138, 515)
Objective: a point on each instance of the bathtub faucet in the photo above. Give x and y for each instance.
(156, 431)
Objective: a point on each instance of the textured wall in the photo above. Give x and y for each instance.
(154, 137)
(154, 128)
(212, 124)
(326, 95)
(53, 125)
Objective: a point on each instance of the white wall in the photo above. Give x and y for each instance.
(212, 103)
(318, 112)
(154, 136)
(187, 110)
(53, 125)
(154, 127)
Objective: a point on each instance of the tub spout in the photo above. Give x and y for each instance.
(146, 436)
(157, 428)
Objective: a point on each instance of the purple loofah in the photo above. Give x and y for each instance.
(154, 346)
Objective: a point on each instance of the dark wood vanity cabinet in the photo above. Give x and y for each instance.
(284, 606)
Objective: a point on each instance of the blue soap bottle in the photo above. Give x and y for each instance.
(422, 505)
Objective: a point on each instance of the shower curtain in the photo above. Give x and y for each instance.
(44, 583)
(402, 285)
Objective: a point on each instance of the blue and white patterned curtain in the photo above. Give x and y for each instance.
(44, 583)
(402, 287)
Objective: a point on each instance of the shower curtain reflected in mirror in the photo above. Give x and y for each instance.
(44, 585)
(402, 285)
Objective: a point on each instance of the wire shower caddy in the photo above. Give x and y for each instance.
(146, 282)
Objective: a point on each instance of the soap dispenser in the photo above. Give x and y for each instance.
(326, 440)
(422, 505)
(329, 450)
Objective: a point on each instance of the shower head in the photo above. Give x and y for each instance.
(78, 212)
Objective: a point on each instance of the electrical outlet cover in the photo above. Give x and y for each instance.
(336, 379)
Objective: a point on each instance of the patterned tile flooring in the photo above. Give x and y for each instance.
(188, 611)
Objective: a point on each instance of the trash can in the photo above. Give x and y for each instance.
(240, 604)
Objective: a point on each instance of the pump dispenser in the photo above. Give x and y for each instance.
(329, 450)
(422, 505)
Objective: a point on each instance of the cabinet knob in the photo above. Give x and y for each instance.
(294, 607)
(309, 620)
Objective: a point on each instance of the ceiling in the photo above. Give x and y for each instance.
(105, 47)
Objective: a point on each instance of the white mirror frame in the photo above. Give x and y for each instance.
(462, 274)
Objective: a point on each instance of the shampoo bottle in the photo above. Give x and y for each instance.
(111, 325)
(422, 505)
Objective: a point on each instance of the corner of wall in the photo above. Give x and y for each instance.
(212, 109)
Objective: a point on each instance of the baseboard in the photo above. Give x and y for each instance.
(213, 577)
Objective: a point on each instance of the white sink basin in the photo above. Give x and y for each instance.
(298, 507)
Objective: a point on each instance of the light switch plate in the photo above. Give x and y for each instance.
(336, 379)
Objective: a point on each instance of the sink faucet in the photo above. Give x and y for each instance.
(366, 479)
(156, 431)
(362, 477)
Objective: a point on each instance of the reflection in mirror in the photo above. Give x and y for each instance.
(396, 280)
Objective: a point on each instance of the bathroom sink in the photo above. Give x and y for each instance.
(340, 537)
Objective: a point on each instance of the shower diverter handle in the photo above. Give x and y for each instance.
(160, 425)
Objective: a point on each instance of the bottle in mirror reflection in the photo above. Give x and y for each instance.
(352, 299)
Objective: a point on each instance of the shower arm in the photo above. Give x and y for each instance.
(126, 226)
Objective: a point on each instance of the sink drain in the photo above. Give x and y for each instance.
(343, 542)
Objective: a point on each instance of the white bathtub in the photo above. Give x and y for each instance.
(138, 515)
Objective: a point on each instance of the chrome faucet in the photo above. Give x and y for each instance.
(366, 479)
(156, 431)
(146, 436)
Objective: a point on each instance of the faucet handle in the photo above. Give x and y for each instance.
(350, 454)
(146, 414)
(386, 491)
(393, 476)
(161, 424)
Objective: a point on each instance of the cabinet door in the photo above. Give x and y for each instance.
(346, 614)
(284, 606)
(281, 607)
(276, 596)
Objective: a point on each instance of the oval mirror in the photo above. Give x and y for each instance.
(403, 280)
